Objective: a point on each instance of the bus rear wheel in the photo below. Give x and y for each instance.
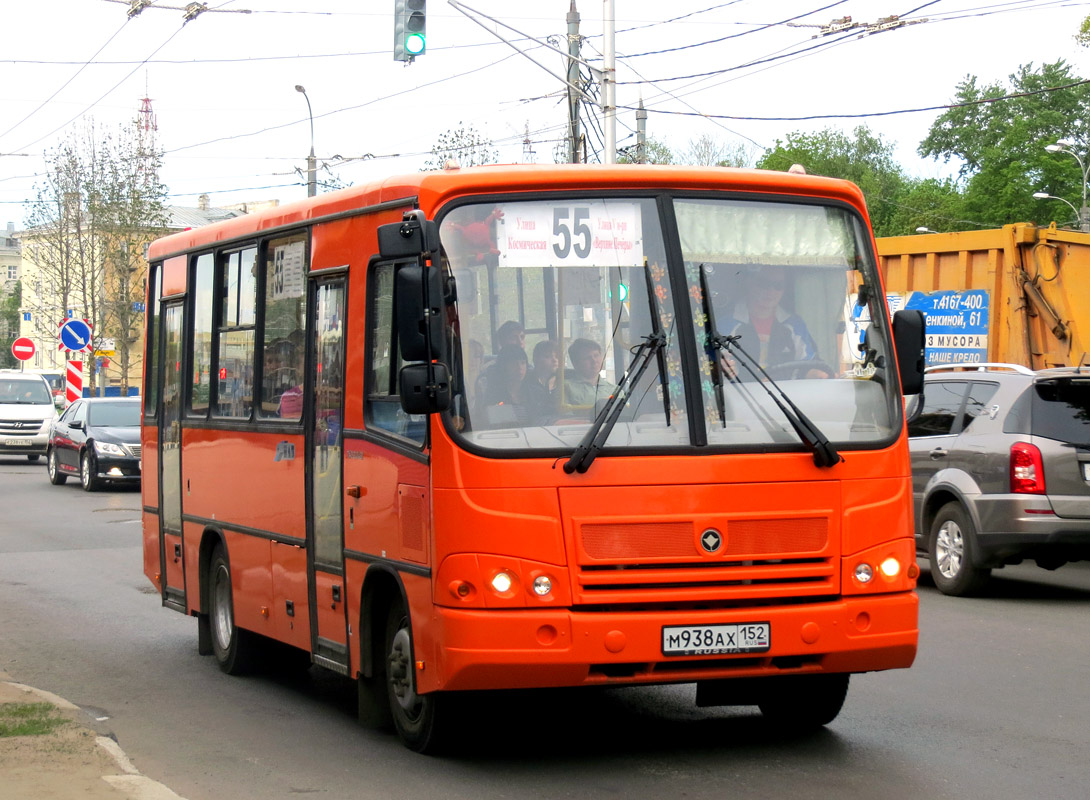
(233, 648)
(802, 703)
(418, 718)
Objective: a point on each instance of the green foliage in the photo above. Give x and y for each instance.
(28, 719)
(862, 158)
(465, 146)
(655, 152)
(9, 324)
(1001, 145)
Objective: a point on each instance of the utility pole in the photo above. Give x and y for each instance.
(641, 134)
(609, 82)
(575, 150)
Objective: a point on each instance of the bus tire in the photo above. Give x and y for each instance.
(417, 717)
(950, 553)
(56, 477)
(233, 647)
(802, 703)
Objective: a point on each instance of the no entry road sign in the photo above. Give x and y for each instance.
(23, 348)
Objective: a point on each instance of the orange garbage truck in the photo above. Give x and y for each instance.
(1018, 294)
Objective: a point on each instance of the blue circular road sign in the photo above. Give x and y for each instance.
(76, 335)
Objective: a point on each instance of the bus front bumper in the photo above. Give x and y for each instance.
(522, 649)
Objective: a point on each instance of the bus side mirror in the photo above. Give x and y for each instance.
(414, 236)
(419, 320)
(909, 331)
(424, 388)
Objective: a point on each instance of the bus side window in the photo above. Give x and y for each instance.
(383, 404)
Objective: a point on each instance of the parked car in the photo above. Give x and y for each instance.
(26, 411)
(98, 440)
(1001, 470)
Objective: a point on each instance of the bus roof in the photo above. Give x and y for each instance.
(429, 190)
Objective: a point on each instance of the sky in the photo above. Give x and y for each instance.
(232, 125)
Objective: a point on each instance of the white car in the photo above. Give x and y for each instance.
(26, 413)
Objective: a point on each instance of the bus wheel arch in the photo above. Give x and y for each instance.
(209, 540)
(382, 589)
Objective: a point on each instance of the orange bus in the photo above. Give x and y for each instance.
(537, 426)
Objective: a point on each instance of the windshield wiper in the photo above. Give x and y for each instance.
(825, 455)
(713, 340)
(594, 440)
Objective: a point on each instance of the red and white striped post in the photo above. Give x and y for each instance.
(74, 386)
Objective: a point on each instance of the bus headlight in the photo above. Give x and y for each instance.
(891, 567)
(543, 584)
(502, 582)
(864, 572)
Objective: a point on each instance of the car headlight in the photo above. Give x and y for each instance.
(109, 449)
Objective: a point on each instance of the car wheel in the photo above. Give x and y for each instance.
(801, 703)
(950, 553)
(33, 457)
(87, 469)
(235, 650)
(418, 718)
(56, 477)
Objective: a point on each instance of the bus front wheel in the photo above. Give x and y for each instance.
(233, 648)
(804, 702)
(416, 717)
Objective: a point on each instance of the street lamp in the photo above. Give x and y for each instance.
(1064, 146)
(922, 229)
(1047, 196)
(312, 178)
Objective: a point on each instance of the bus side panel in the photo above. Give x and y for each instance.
(290, 612)
(373, 524)
(251, 582)
(251, 479)
(149, 497)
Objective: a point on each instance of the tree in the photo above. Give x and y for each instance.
(1000, 143)
(9, 325)
(655, 152)
(863, 158)
(99, 204)
(709, 152)
(463, 145)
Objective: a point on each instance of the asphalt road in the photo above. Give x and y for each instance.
(997, 705)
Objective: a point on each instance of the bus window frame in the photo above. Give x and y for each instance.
(151, 345)
(408, 445)
(664, 199)
(190, 331)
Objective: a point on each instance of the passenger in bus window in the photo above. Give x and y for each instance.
(766, 330)
(541, 386)
(502, 401)
(581, 385)
(510, 334)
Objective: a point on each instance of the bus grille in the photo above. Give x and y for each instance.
(663, 562)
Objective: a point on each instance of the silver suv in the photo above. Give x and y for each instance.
(1001, 470)
(26, 412)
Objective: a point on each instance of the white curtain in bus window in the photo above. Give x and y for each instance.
(284, 341)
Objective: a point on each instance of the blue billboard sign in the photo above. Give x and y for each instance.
(957, 325)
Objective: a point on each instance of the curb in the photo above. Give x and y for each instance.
(130, 782)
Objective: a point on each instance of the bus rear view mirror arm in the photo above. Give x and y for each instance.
(415, 235)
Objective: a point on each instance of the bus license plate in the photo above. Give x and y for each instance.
(707, 640)
(17, 442)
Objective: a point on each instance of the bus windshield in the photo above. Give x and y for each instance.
(557, 298)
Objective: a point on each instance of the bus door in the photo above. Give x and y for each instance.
(324, 431)
(171, 550)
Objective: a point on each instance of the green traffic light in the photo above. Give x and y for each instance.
(414, 44)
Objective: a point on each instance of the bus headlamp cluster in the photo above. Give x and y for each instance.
(889, 568)
(481, 580)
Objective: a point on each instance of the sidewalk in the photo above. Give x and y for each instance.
(70, 762)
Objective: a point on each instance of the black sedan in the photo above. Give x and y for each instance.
(97, 439)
